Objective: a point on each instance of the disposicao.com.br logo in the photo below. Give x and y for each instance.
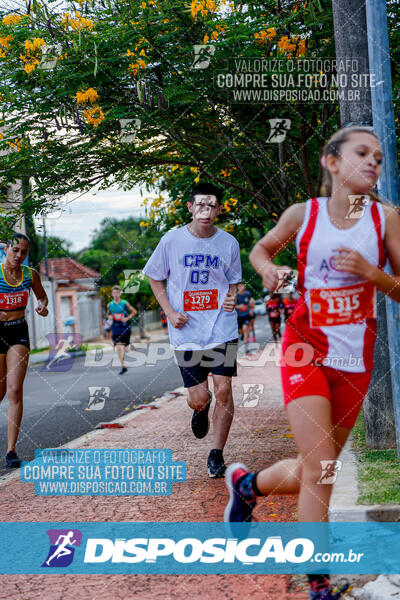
(191, 550)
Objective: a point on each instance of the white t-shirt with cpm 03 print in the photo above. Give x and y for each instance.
(198, 273)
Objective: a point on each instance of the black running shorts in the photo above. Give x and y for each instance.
(243, 320)
(122, 336)
(13, 333)
(195, 365)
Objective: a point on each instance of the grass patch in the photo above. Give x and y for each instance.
(36, 350)
(378, 470)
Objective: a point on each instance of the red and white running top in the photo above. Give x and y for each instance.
(336, 310)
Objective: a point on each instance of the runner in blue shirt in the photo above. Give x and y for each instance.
(121, 312)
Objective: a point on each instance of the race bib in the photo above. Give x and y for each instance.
(273, 314)
(342, 306)
(118, 316)
(200, 300)
(14, 301)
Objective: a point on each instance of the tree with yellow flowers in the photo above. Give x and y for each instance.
(126, 91)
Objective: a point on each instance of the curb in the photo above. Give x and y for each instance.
(343, 505)
(106, 348)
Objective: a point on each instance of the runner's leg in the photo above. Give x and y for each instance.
(223, 411)
(121, 354)
(17, 363)
(284, 476)
(198, 396)
(310, 421)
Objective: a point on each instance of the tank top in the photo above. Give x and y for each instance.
(15, 297)
(117, 311)
(336, 310)
(273, 307)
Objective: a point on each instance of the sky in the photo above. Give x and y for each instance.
(82, 214)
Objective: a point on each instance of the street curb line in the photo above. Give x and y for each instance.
(77, 442)
(343, 505)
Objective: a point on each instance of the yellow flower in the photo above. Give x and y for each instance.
(5, 42)
(89, 95)
(233, 201)
(265, 35)
(29, 67)
(77, 23)
(214, 35)
(11, 19)
(32, 46)
(143, 224)
(205, 39)
(94, 116)
(301, 49)
(202, 7)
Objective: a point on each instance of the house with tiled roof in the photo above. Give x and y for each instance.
(77, 306)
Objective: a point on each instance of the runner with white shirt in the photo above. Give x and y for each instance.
(201, 264)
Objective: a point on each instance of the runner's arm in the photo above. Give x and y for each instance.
(274, 242)
(132, 311)
(177, 319)
(40, 294)
(351, 261)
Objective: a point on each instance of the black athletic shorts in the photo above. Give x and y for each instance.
(121, 336)
(243, 320)
(13, 333)
(275, 320)
(195, 365)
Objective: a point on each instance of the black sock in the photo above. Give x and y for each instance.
(216, 451)
(254, 485)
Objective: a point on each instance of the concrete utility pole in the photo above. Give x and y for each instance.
(389, 184)
(351, 42)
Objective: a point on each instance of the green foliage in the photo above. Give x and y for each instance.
(118, 246)
(134, 59)
(189, 127)
(379, 470)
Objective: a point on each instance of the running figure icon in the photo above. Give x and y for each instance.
(62, 549)
(62, 348)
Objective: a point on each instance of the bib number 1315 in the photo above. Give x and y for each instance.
(340, 304)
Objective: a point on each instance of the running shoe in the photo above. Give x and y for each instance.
(215, 464)
(200, 422)
(123, 370)
(325, 591)
(12, 460)
(241, 504)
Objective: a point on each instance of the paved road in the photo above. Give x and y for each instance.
(55, 403)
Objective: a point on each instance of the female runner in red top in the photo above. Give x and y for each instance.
(342, 242)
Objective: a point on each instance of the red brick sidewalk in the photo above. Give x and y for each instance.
(259, 436)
